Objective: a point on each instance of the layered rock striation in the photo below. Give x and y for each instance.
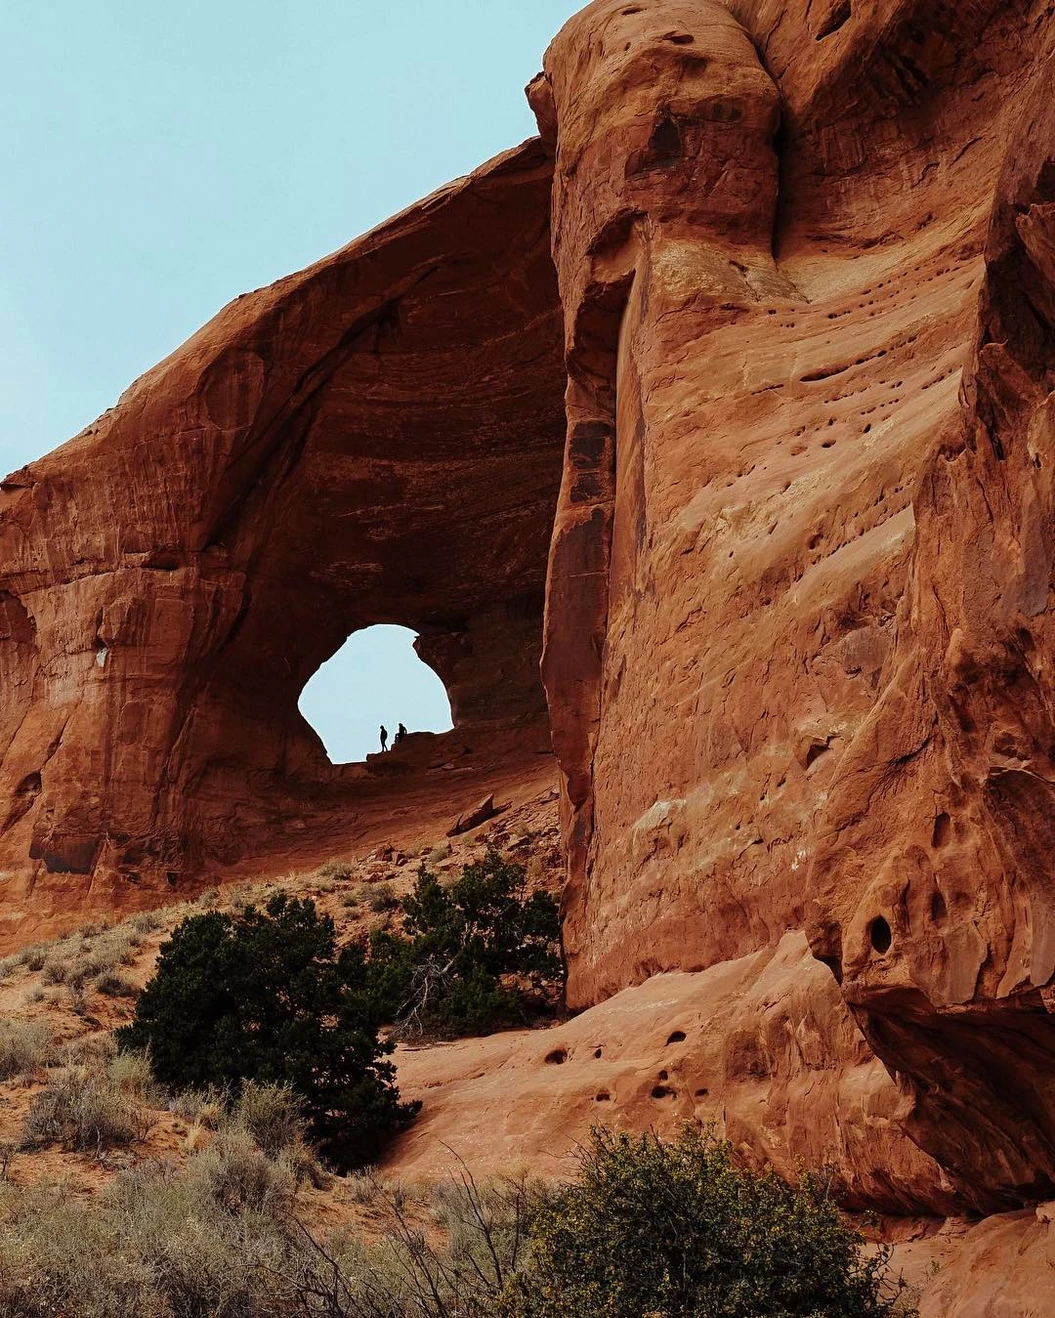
(778, 280)
(796, 646)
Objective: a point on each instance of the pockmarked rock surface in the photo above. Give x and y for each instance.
(797, 643)
(762, 1047)
(931, 889)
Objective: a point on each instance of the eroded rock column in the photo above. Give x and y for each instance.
(664, 196)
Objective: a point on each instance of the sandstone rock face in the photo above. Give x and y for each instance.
(1004, 1266)
(745, 432)
(796, 642)
(311, 462)
(762, 1046)
(797, 639)
(931, 889)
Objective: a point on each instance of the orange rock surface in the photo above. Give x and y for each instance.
(309, 463)
(761, 1046)
(796, 645)
(1004, 1265)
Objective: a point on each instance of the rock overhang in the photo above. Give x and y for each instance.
(375, 439)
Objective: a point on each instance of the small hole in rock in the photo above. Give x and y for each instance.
(597, 1052)
(557, 1057)
(938, 908)
(879, 935)
(603, 1098)
(172, 878)
(664, 1075)
(661, 1091)
(677, 1037)
(701, 1093)
(942, 828)
(679, 38)
(665, 143)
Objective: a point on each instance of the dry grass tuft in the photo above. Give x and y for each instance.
(26, 1048)
(85, 1109)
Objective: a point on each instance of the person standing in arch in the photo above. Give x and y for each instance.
(384, 738)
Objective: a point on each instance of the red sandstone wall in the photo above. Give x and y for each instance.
(796, 632)
(314, 460)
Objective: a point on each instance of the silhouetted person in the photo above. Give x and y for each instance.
(384, 738)
(401, 732)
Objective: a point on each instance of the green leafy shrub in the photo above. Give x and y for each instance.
(265, 996)
(474, 956)
(679, 1230)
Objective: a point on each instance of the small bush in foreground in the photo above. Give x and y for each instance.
(679, 1230)
(264, 996)
(648, 1231)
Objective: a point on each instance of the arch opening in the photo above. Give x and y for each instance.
(375, 679)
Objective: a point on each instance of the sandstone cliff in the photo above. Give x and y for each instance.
(311, 462)
(796, 624)
(791, 267)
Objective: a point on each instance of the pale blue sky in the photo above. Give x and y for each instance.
(159, 158)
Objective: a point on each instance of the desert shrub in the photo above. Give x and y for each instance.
(88, 1050)
(204, 1107)
(213, 1240)
(112, 985)
(58, 1258)
(146, 922)
(679, 1229)
(84, 1109)
(272, 1115)
(335, 869)
(25, 1047)
(32, 957)
(235, 1173)
(130, 1073)
(463, 1267)
(475, 955)
(381, 897)
(95, 955)
(265, 996)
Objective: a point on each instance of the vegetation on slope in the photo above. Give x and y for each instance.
(268, 996)
(123, 1193)
(645, 1231)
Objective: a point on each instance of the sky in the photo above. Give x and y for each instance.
(391, 686)
(158, 159)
